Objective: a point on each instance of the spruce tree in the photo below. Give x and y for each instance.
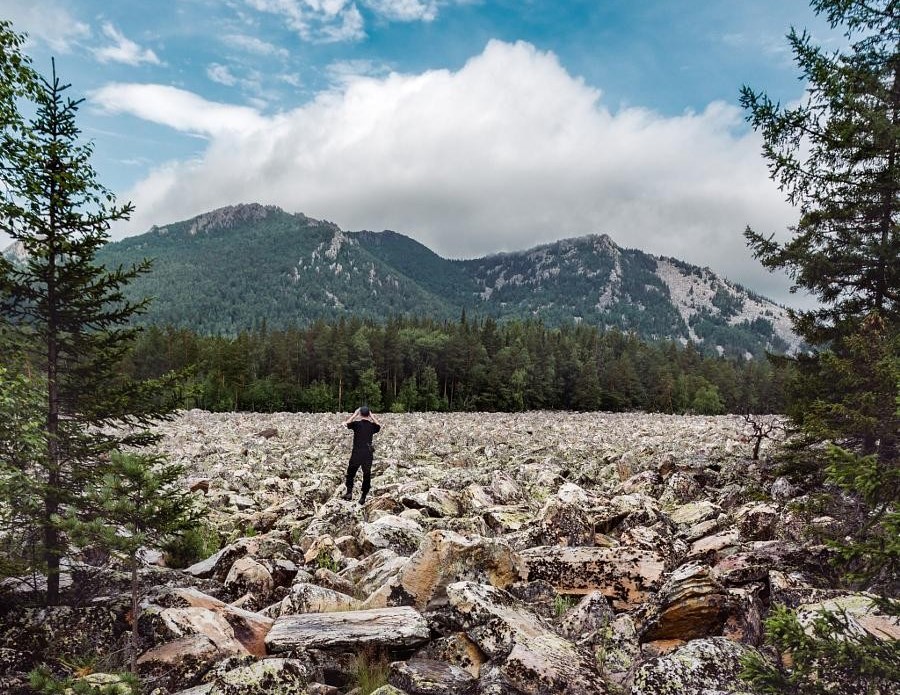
(837, 158)
(69, 315)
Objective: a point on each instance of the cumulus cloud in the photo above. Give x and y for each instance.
(123, 49)
(508, 152)
(47, 21)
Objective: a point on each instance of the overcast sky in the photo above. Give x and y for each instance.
(474, 126)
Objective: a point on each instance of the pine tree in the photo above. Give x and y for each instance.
(70, 314)
(136, 502)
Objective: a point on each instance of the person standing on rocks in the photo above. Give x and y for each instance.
(364, 425)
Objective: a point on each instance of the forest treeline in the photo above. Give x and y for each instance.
(417, 365)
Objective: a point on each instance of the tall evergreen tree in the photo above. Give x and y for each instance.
(70, 314)
(837, 158)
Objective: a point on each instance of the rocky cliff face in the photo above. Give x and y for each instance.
(536, 553)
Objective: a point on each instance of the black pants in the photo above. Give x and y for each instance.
(357, 459)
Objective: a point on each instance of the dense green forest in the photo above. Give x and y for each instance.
(414, 365)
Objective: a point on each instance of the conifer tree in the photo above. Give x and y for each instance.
(69, 314)
(837, 158)
(137, 502)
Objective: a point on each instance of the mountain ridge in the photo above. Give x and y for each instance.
(232, 268)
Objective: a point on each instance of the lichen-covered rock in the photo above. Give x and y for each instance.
(386, 627)
(756, 521)
(273, 675)
(430, 677)
(181, 663)
(564, 523)
(445, 557)
(694, 512)
(247, 576)
(626, 576)
(400, 535)
(616, 649)
(67, 631)
(863, 617)
(709, 666)
(587, 619)
(219, 564)
(311, 598)
(529, 656)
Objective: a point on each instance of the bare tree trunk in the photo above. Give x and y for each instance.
(135, 636)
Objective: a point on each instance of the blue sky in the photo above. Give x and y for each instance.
(472, 125)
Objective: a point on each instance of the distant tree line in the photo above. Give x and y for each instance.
(417, 365)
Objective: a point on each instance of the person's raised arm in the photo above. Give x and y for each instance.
(374, 419)
(352, 417)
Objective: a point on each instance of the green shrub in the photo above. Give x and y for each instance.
(192, 546)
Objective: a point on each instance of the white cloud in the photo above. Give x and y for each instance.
(179, 109)
(505, 153)
(221, 74)
(252, 44)
(404, 10)
(123, 50)
(323, 21)
(47, 21)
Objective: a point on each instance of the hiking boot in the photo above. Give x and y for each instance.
(348, 495)
(362, 500)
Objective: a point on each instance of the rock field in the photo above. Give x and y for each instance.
(520, 554)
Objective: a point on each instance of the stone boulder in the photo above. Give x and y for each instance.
(430, 677)
(862, 615)
(403, 536)
(456, 649)
(311, 598)
(445, 557)
(377, 628)
(182, 662)
(690, 604)
(272, 675)
(757, 521)
(586, 622)
(564, 523)
(176, 613)
(247, 576)
(708, 666)
(527, 655)
(626, 576)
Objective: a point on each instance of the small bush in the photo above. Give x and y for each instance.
(45, 682)
(191, 546)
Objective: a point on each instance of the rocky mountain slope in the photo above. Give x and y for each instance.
(536, 553)
(235, 267)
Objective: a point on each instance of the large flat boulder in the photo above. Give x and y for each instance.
(380, 627)
(626, 576)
